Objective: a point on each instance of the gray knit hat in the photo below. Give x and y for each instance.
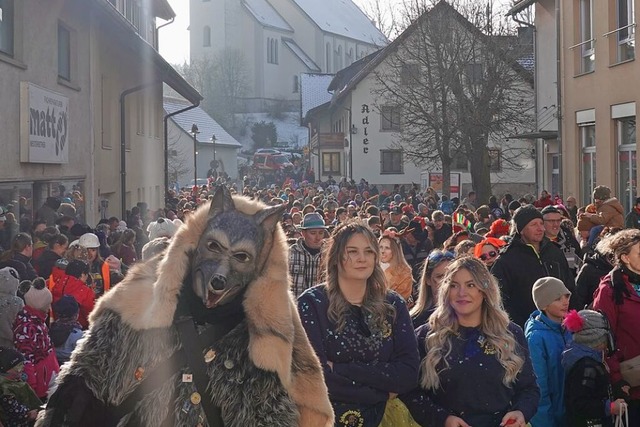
(546, 290)
(593, 331)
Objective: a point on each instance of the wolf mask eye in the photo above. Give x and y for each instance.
(214, 246)
(242, 257)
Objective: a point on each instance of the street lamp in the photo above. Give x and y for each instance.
(214, 164)
(195, 132)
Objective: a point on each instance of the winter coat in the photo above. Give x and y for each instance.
(45, 262)
(399, 279)
(83, 294)
(624, 320)
(519, 266)
(547, 340)
(609, 214)
(256, 376)
(632, 219)
(31, 338)
(10, 306)
(595, 267)
(587, 388)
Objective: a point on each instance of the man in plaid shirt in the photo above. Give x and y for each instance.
(304, 255)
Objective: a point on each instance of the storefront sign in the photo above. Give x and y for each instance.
(365, 128)
(44, 127)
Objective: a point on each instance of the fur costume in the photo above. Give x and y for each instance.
(264, 371)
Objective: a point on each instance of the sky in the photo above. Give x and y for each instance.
(174, 38)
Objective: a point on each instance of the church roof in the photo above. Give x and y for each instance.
(266, 15)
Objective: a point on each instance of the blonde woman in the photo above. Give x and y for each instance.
(475, 368)
(361, 333)
(432, 274)
(395, 266)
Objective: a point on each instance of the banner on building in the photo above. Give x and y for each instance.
(435, 181)
(44, 125)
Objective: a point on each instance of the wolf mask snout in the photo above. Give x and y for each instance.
(218, 282)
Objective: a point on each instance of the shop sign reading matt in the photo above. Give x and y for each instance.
(44, 127)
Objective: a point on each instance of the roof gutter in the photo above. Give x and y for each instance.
(166, 141)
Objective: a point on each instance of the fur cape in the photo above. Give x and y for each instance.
(265, 372)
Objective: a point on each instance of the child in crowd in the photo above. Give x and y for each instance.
(65, 331)
(18, 403)
(547, 340)
(588, 395)
(31, 338)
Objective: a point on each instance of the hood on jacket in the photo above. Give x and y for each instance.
(599, 261)
(539, 321)
(576, 352)
(614, 203)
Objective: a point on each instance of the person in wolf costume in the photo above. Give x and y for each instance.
(225, 271)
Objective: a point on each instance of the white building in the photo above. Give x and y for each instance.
(81, 84)
(350, 137)
(223, 150)
(281, 39)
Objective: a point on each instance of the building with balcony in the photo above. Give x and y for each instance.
(82, 85)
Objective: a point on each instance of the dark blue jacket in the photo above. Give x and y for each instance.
(547, 340)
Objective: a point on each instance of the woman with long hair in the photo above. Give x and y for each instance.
(361, 333)
(618, 297)
(124, 249)
(433, 271)
(468, 347)
(396, 268)
(57, 244)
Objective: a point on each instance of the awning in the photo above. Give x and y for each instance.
(544, 134)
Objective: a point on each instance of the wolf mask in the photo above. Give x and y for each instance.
(230, 253)
(231, 257)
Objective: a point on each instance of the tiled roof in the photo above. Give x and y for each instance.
(266, 15)
(206, 125)
(344, 18)
(313, 91)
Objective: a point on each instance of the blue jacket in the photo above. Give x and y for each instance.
(547, 340)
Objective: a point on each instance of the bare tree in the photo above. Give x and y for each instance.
(223, 82)
(383, 16)
(179, 159)
(454, 71)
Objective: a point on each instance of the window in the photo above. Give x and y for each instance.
(296, 84)
(140, 116)
(339, 58)
(588, 172)
(350, 56)
(330, 163)
(494, 160)
(6, 26)
(410, 73)
(328, 57)
(64, 53)
(206, 36)
(626, 30)
(474, 73)
(390, 118)
(272, 50)
(459, 162)
(627, 169)
(587, 46)
(391, 162)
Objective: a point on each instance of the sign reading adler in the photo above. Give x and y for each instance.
(44, 125)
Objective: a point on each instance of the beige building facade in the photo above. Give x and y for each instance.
(82, 88)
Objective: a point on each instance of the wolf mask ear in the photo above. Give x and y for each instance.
(221, 202)
(269, 217)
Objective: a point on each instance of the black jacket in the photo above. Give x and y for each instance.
(595, 267)
(517, 269)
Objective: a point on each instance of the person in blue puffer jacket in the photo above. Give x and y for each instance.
(547, 340)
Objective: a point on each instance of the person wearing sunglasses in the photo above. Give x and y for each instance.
(488, 250)
(432, 274)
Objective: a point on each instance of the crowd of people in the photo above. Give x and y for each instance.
(420, 308)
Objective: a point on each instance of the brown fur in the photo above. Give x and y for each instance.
(278, 342)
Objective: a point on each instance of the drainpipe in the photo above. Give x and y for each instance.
(166, 142)
(559, 96)
(123, 145)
